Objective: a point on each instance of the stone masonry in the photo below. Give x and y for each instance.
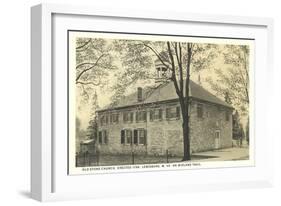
(166, 134)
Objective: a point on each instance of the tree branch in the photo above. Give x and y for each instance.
(87, 83)
(174, 78)
(83, 45)
(189, 54)
(85, 70)
(180, 66)
(157, 54)
(84, 63)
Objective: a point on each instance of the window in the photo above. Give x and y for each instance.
(126, 136)
(136, 137)
(155, 114)
(139, 137)
(172, 112)
(128, 117)
(102, 120)
(114, 118)
(103, 137)
(200, 110)
(141, 116)
(226, 116)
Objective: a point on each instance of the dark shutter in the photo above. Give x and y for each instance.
(130, 132)
(144, 116)
(100, 137)
(145, 142)
(101, 120)
(122, 136)
(178, 112)
(160, 113)
(124, 116)
(105, 137)
(132, 116)
(135, 136)
(167, 113)
(151, 115)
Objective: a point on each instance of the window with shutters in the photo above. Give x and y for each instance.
(200, 110)
(128, 117)
(103, 137)
(114, 118)
(140, 137)
(173, 112)
(156, 114)
(126, 136)
(141, 116)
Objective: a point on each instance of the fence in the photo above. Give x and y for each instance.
(97, 159)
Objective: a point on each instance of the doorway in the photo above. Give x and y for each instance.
(217, 139)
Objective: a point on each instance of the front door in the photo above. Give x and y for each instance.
(217, 139)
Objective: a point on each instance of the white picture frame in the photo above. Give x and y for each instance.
(49, 177)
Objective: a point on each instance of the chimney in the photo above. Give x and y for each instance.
(139, 94)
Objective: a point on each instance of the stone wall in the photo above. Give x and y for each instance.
(202, 130)
(166, 134)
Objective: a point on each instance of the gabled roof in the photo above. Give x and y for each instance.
(166, 92)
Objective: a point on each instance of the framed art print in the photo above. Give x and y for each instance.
(137, 103)
(128, 107)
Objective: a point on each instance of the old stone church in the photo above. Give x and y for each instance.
(149, 122)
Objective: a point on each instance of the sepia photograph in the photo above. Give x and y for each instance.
(155, 100)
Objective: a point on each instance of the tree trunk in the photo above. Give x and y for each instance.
(185, 128)
(186, 142)
(185, 108)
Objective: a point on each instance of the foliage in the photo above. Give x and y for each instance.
(94, 61)
(233, 81)
(138, 57)
(237, 128)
